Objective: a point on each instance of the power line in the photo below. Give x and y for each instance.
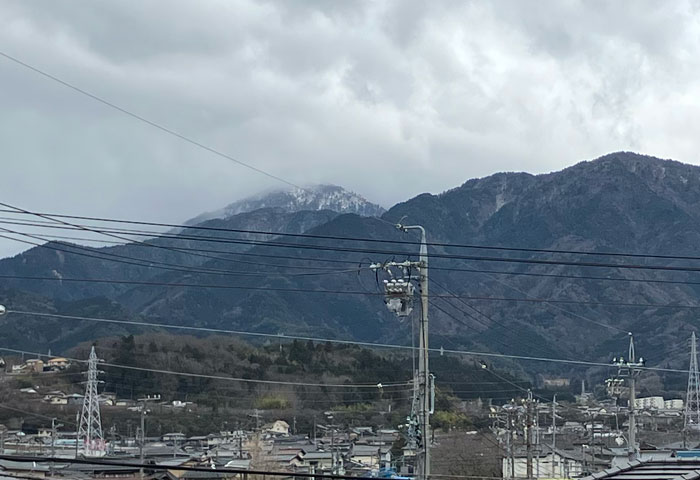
(330, 340)
(567, 312)
(505, 327)
(220, 377)
(356, 292)
(125, 259)
(147, 121)
(498, 340)
(218, 271)
(375, 240)
(140, 242)
(219, 331)
(33, 414)
(156, 235)
(112, 243)
(438, 255)
(363, 397)
(434, 304)
(136, 243)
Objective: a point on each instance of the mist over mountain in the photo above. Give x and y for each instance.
(622, 202)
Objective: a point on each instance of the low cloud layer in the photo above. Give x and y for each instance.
(389, 99)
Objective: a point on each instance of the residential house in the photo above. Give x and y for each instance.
(75, 399)
(371, 456)
(57, 363)
(550, 463)
(33, 365)
(278, 427)
(666, 469)
(58, 400)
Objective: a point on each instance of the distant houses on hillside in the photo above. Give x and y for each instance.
(36, 365)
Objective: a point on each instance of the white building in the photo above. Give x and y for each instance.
(557, 464)
(658, 403)
(649, 403)
(278, 427)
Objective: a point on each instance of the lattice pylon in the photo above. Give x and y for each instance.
(692, 400)
(90, 437)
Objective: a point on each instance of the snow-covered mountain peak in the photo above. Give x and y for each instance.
(316, 197)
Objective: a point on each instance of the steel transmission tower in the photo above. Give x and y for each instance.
(90, 438)
(692, 400)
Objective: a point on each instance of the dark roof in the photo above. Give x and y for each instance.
(671, 469)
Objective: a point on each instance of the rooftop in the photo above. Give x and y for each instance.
(669, 469)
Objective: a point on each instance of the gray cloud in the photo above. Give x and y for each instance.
(389, 99)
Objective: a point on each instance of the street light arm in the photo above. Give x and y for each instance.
(423, 241)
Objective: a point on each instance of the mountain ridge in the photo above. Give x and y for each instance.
(620, 202)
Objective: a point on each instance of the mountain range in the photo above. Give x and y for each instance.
(211, 274)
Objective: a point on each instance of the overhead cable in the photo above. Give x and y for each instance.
(376, 240)
(142, 119)
(223, 378)
(329, 340)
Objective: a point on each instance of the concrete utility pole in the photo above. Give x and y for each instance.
(77, 435)
(54, 426)
(528, 432)
(256, 415)
(423, 368)
(144, 401)
(399, 300)
(554, 432)
(511, 448)
(509, 409)
(630, 370)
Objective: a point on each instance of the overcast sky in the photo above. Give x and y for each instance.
(386, 98)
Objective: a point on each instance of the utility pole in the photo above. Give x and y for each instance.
(554, 432)
(509, 409)
(630, 370)
(144, 401)
(509, 443)
(334, 461)
(398, 299)
(256, 415)
(537, 441)
(54, 426)
(691, 420)
(77, 435)
(528, 432)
